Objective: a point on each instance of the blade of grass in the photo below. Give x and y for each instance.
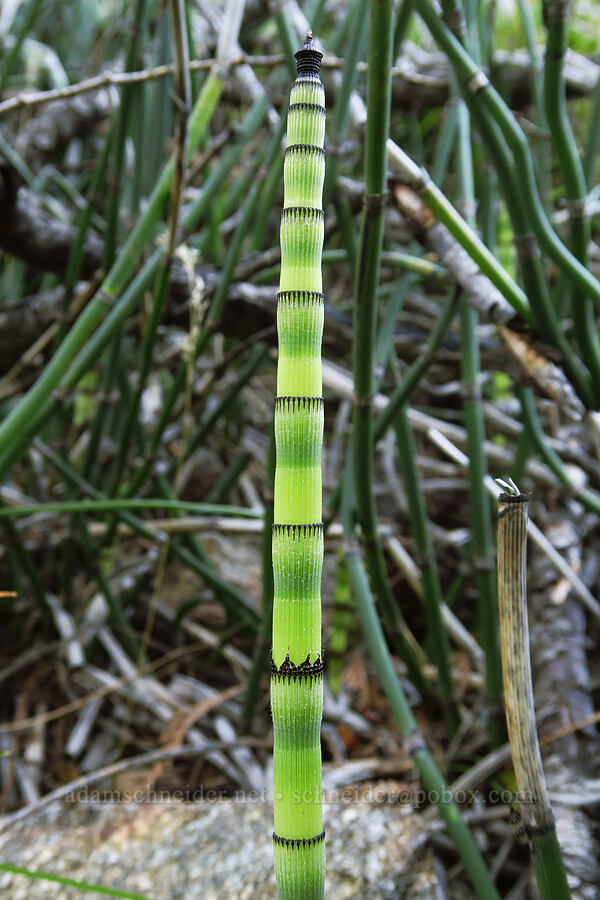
(237, 603)
(83, 886)
(110, 504)
(124, 307)
(182, 100)
(116, 280)
(20, 416)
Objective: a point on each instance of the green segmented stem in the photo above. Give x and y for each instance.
(296, 666)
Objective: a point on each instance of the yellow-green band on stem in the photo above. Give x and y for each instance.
(300, 328)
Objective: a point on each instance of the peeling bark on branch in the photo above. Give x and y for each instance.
(484, 297)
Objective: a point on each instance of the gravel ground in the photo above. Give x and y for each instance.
(210, 851)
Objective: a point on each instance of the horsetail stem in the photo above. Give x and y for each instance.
(296, 666)
(509, 150)
(534, 802)
(556, 16)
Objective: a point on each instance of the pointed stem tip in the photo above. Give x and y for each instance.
(308, 58)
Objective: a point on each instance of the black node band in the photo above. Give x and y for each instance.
(538, 831)
(308, 58)
(305, 148)
(414, 743)
(526, 246)
(293, 401)
(296, 298)
(104, 297)
(292, 672)
(289, 212)
(299, 842)
(513, 498)
(315, 107)
(376, 201)
(295, 530)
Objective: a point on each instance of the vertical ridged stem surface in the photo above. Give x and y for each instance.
(296, 667)
(365, 324)
(534, 802)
